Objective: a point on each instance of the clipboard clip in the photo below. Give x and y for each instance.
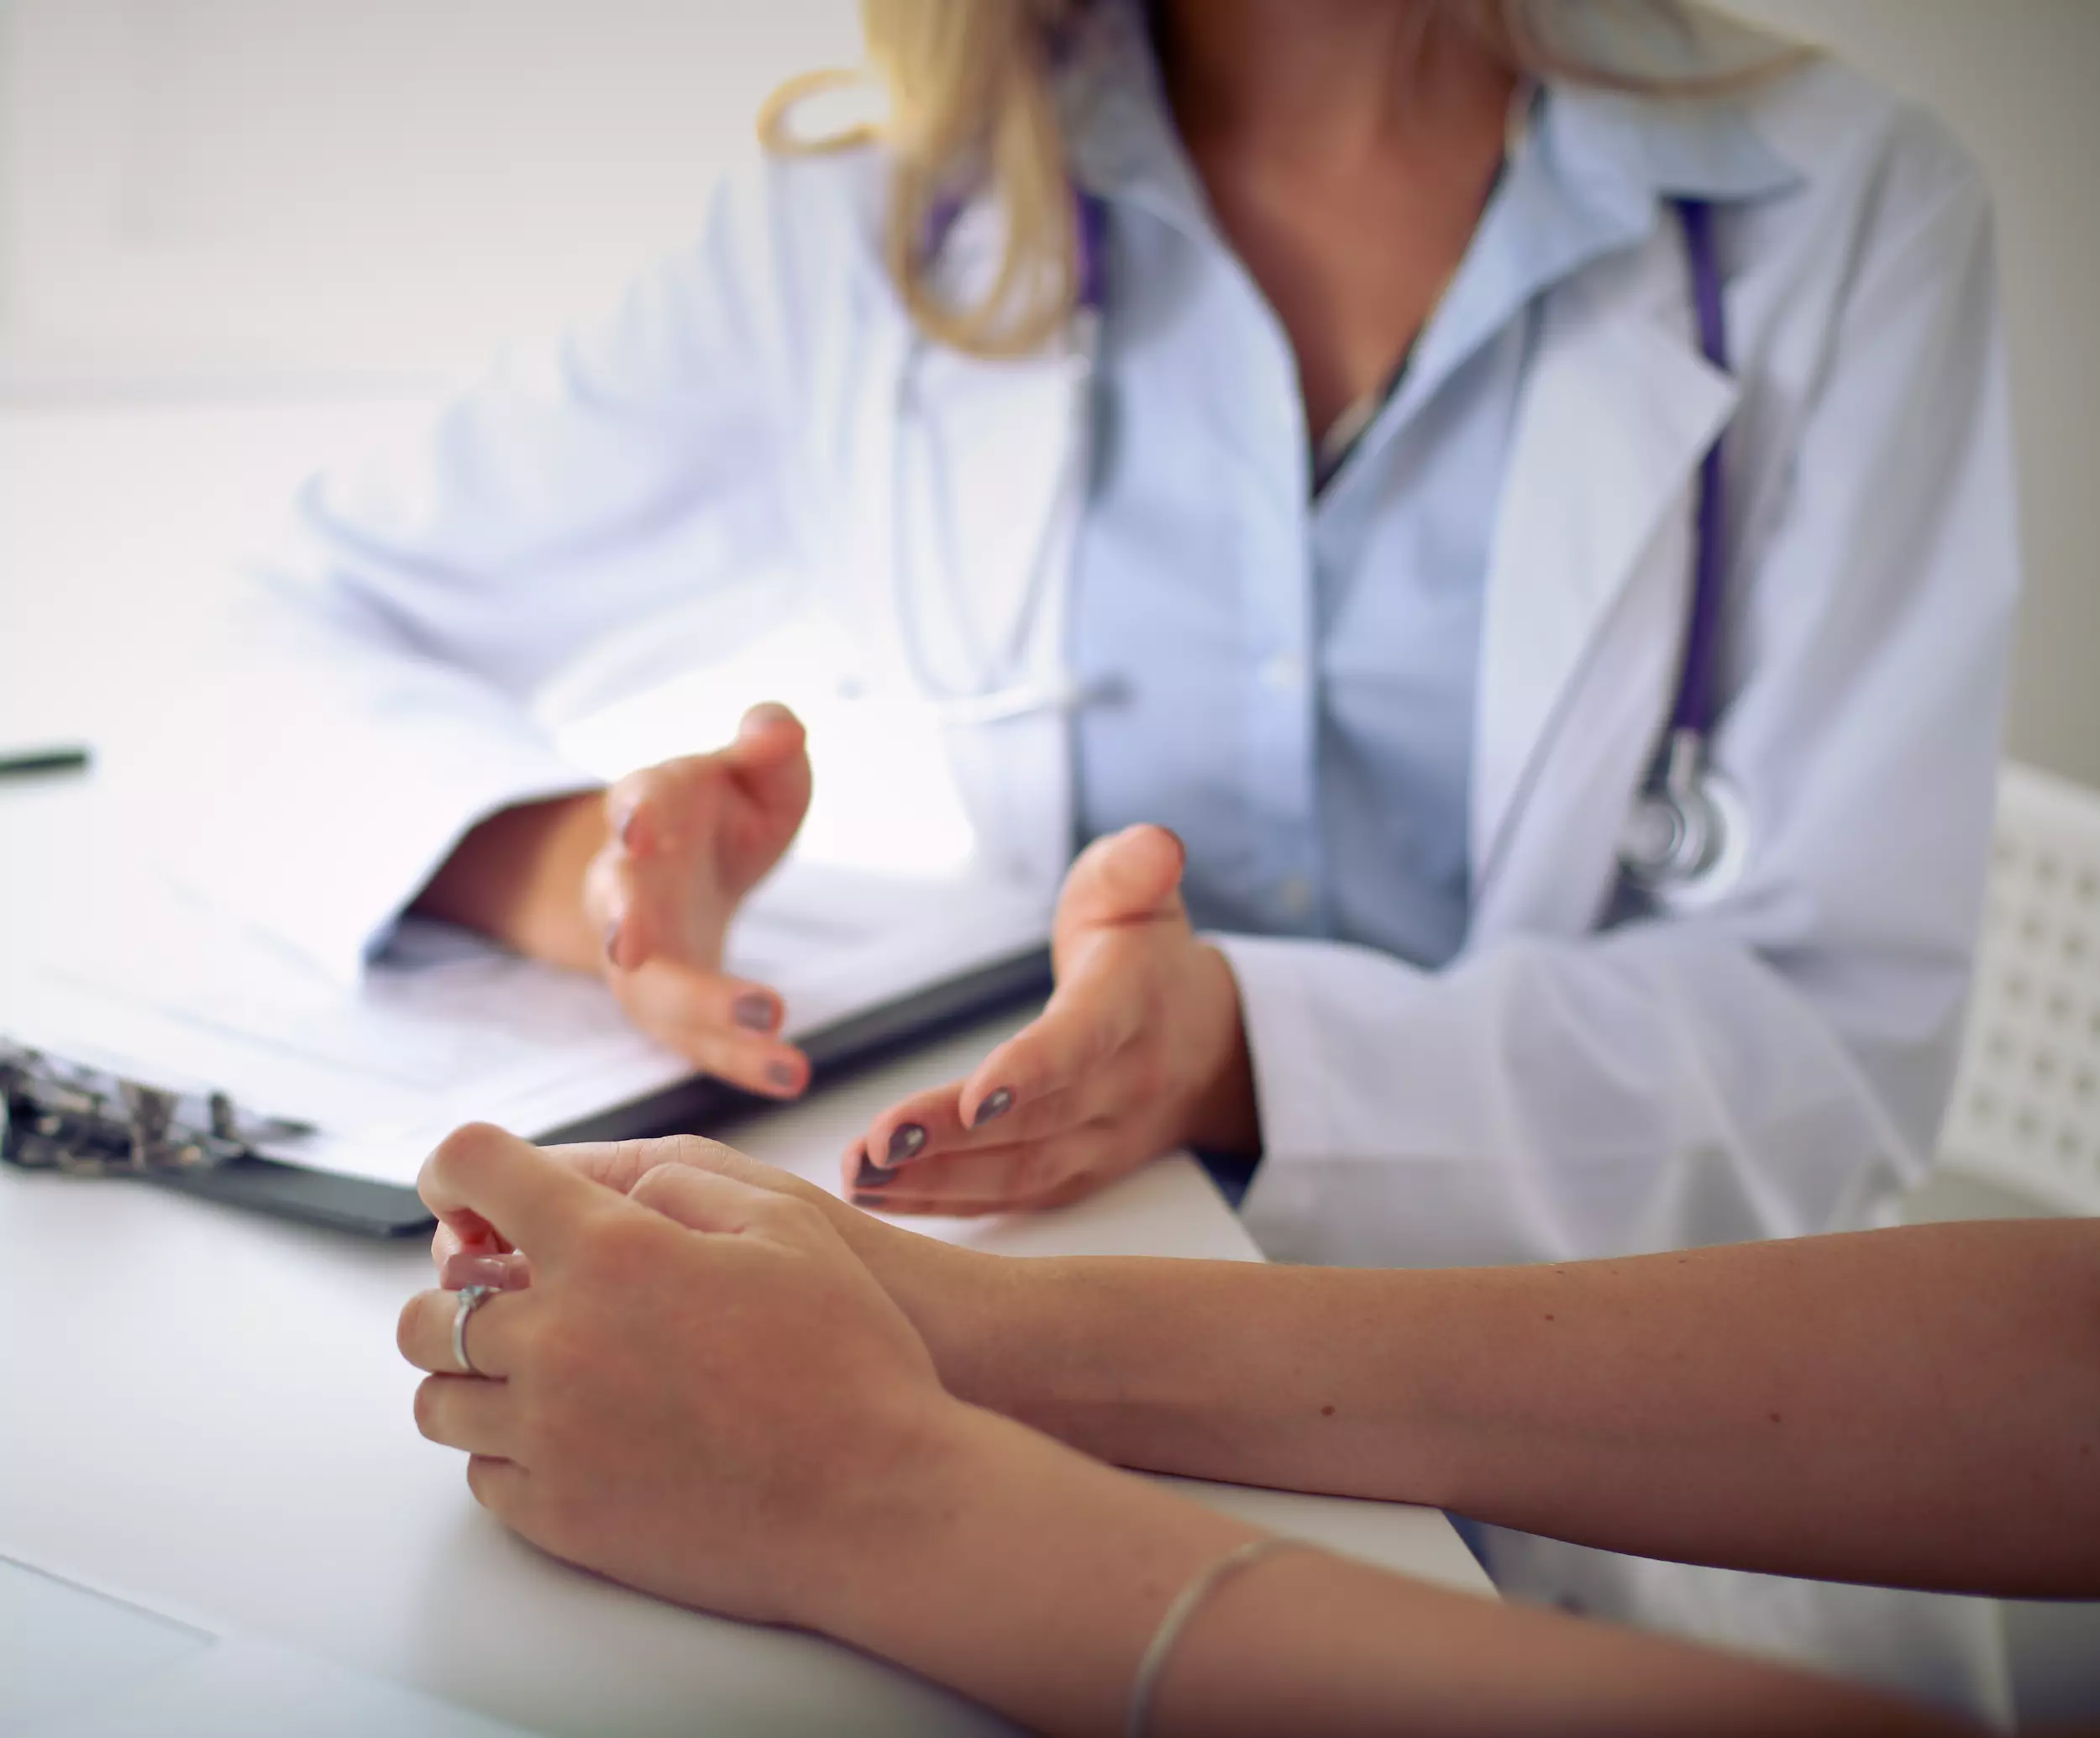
(61, 1116)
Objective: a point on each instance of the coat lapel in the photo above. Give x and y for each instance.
(1588, 582)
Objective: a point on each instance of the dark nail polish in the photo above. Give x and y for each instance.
(781, 1074)
(612, 942)
(753, 1012)
(995, 1105)
(866, 1200)
(871, 1175)
(906, 1143)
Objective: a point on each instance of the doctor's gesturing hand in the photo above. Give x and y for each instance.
(1139, 1051)
(638, 883)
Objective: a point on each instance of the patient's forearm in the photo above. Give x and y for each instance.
(1919, 1406)
(1031, 1580)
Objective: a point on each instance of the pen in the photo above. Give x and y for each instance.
(38, 762)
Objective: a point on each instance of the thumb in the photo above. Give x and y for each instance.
(1128, 877)
(766, 732)
(724, 1206)
(769, 758)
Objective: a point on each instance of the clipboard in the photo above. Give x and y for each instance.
(61, 1116)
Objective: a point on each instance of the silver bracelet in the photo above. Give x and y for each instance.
(1158, 1652)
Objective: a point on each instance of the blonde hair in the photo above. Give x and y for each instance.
(973, 111)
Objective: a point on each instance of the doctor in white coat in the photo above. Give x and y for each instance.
(1284, 423)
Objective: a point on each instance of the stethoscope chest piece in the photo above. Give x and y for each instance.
(1686, 836)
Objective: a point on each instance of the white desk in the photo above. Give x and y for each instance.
(202, 1410)
(206, 1414)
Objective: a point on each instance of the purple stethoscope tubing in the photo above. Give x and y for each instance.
(1694, 708)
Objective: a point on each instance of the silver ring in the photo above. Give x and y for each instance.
(471, 1298)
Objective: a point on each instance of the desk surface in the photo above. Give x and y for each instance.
(207, 1414)
(202, 1410)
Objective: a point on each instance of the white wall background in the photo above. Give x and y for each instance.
(2019, 81)
(240, 196)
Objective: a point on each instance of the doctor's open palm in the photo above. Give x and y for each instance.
(638, 883)
(1140, 1051)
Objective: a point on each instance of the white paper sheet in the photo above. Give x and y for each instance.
(125, 972)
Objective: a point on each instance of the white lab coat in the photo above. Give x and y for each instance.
(1774, 1065)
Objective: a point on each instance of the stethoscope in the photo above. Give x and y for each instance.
(1684, 843)
(1685, 837)
(1001, 691)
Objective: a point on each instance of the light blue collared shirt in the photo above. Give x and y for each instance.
(1292, 678)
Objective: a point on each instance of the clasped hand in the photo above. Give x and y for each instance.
(669, 1306)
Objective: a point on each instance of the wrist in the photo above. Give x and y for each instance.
(518, 876)
(1223, 1115)
(972, 1309)
(895, 1505)
(1026, 1576)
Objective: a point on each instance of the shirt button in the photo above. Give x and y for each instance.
(1284, 674)
(1294, 895)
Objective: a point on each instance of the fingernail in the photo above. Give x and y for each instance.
(781, 1074)
(906, 1143)
(461, 1271)
(871, 1175)
(996, 1104)
(753, 1012)
(866, 1200)
(612, 942)
(762, 717)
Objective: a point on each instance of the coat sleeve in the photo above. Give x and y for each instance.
(1778, 1063)
(374, 679)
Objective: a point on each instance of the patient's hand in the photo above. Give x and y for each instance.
(702, 1392)
(1139, 1051)
(951, 1296)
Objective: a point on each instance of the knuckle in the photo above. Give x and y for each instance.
(787, 1217)
(705, 1154)
(467, 1147)
(654, 1185)
(406, 1327)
